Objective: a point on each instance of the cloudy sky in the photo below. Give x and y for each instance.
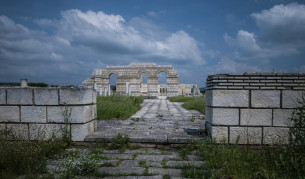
(62, 42)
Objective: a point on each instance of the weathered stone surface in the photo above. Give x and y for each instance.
(9, 114)
(79, 114)
(173, 164)
(224, 116)
(33, 114)
(76, 96)
(156, 158)
(19, 96)
(119, 170)
(19, 130)
(80, 131)
(118, 156)
(247, 135)
(291, 98)
(46, 96)
(129, 163)
(276, 135)
(281, 117)
(230, 98)
(2, 96)
(164, 171)
(46, 131)
(218, 133)
(265, 98)
(256, 117)
(2, 127)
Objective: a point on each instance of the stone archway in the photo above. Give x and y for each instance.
(128, 79)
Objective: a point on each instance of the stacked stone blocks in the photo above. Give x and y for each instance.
(36, 113)
(254, 107)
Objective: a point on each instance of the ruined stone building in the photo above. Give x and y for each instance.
(129, 81)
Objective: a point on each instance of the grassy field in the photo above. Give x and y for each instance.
(120, 107)
(191, 103)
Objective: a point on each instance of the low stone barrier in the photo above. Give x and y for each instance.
(36, 113)
(254, 107)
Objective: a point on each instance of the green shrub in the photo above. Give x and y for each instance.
(39, 84)
(120, 141)
(75, 165)
(121, 107)
(22, 156)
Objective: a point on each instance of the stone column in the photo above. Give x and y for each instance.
(127, 88)
(100, 92)
(193, 91)
(24, 83)
(109, 90)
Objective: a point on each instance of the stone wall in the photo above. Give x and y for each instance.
(36, 113)
(254, 106)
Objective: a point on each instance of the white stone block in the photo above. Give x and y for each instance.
(276, 135)
(19, 96)
(230, 98)
(79, 114)
(256, 117)
(208, 114)
(281, 117)
(208, 97)
(34, 114)
(265, 98)
(224, 116)
(291, 98)
(46, 96)
(220, 134)
(9, 114)
(247, 135)
(20, 131)
(47, 131)
(76, 96)
(80, 131)
(2, 96)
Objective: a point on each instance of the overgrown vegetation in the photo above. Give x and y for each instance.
(275, 161)
(19, 157)
(39, 84)
(191, 103)
(121, 107)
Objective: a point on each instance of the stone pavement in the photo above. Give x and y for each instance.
(159, 121)
(139, 163)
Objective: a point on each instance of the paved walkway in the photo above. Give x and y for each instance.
(159, 121)
(144, 163)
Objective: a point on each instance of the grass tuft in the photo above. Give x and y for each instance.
(191, 103)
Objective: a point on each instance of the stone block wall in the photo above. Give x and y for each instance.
(254, 107)
(36, 113)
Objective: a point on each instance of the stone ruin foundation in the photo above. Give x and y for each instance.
(129, 81)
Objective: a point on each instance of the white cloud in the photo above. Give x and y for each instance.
(82, 41)
(152, 14)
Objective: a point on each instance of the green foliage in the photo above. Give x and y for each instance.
(39, 84)
(120, 141)
(84, 165)
(191, 103)
(184, 152)
(19, 156)
(121, 107)
(66, 134)
(167, 176)
(297, 130)
(201, 172)
(142, 163)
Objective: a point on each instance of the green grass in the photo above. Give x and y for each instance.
(120, 107)
(191, 103)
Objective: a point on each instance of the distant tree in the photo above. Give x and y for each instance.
(39, 84)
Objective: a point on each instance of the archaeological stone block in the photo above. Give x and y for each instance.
(19, 96)
(291, 98)
(9, 114)
(224, 116)
(79, 114)
(220, 134)
(34, 114)
(47, 131)
(20, 131)
(2, 96)
(80, 131)
(246, 135)
(230, 98)
(281, 117)
(265, 98)
(76, 96)
(46, 96)
(256, 117)
(275, 135)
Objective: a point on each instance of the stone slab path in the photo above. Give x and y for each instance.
(139, 163)
(159, 121)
